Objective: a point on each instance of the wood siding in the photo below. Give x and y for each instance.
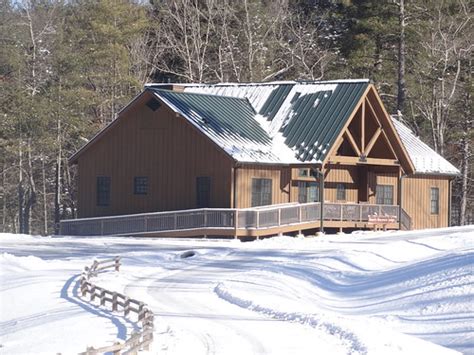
(280, 177)
(382, 176)
(162, 146)
(341, 174)
(416, 200)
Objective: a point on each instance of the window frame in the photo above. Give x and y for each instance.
(201, 182)
(341, 191)
(103, 191)
(261, 193)
(434, 211)
(140, 185)
(381, 197)
(304, 188)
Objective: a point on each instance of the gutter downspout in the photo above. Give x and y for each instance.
(400, 200)
(234, 205)
(449, 201)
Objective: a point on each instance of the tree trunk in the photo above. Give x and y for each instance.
(45, 199)
(401, 61)
(21, 189)
(57, 182)
(31, 200)
(4, 197)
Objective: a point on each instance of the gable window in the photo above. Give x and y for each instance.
(341, 192)
(434, 200)
(103, 191)
(140, 185)
(384, 194)
(308, 191)
(203, 191)
(153, 104)
(261, 192)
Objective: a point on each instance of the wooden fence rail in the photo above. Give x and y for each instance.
(140, 340)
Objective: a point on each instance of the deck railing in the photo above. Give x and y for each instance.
(224, 219)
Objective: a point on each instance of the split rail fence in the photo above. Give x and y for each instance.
(140, 340)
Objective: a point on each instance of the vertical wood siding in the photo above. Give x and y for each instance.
(416, 200)
(341, 174)
(380, 177)
(280, 183)
(165, 148)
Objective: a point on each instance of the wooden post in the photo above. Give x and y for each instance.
(126, 308)
(279, 216)
(102, 298)
(114, 301)
(117, 263)
(92, 292)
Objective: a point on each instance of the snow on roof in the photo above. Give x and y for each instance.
(299, 115)
(230, 123)
(425, 159)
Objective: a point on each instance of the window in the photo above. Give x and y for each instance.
(303, 172)
(203, 191)
(140, 185)
(103, 191)
(341, 192)
(308, 191)
(261, 192)
(384, 194)
(153, 104)
(434, 200)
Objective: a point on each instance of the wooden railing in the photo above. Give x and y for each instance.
(139, 340)
(225, 219)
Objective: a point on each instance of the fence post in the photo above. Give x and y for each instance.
(279, 216)
(126, 306)
(102, 298)
(205, 218)
(258, 218)
(341, 211)
(92, 292)
(117, 263)
(114, 301)
(101, 227)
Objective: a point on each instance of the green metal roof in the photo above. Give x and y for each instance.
(305, 117)
(224, 115)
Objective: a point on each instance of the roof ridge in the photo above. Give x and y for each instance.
(289, 82)
(243, 99)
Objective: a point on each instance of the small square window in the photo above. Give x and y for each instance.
(303, 172)
(140, 185)
(384, 194)
(153, 104)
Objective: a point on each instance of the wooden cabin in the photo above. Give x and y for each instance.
(241, 146)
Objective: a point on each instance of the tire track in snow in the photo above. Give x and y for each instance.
(355, 345)
(145, 283)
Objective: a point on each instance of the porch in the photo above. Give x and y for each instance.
(248, 222)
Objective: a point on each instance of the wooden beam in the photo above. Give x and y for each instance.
(372, 141)
(401, 146)
(334, 148)
(352, 142)
(362, 127)
(367, 161)
(373, 112)
(344, 160)
(379, 161)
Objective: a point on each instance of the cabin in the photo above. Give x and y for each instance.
(258, 159)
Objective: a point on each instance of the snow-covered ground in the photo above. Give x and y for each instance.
(365, 293)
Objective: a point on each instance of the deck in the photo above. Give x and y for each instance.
(249, 222)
